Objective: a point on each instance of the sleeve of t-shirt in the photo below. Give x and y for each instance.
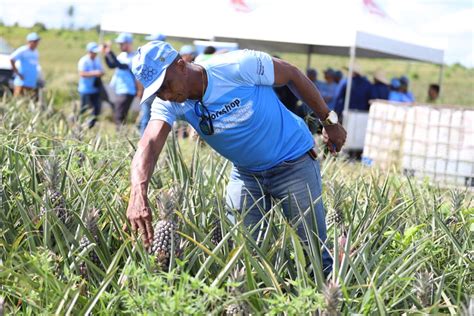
(17, 54)
(257, 68)
(163, 110)
(81, 65)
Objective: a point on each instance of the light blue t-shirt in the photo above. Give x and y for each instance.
(86, 84)
(123, 81)
(399, 97)
(27, 63)
(252, 128)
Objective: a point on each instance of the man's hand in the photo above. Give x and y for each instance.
(139, 215)
(334, 136)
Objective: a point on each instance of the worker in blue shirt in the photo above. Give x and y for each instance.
(404, 83)
(380, 89)
(230, 102)
(90, 70)
(359, 95)
(25, 66)
(123, 82)
(395, 94)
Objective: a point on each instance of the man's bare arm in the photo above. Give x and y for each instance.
(15, 70)
(143, 164)
(287, 74)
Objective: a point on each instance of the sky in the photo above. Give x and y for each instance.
(445, 22)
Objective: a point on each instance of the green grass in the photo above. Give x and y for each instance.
(60, 51)
(409, 244)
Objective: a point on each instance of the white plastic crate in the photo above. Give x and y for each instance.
(424, 141)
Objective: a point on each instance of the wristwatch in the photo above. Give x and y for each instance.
(331, 119)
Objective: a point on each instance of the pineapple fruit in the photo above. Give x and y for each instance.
(336, 217)
(239, 308)
(91, 225)
(166, 238)
(216, 236)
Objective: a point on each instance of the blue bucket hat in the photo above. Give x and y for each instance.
(404, 80)
(32, 37)
(92, 47)
(124, 38)
(149, 66)
(155, 37)
(395, 83)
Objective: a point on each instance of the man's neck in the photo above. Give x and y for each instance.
(197, 81)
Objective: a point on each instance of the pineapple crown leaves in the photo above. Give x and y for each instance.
(424, 287)
(51, 170)
(332, 297)
(236, 281)
(168, 200)
(91, 219)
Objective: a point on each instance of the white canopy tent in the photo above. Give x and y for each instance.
(337, 27)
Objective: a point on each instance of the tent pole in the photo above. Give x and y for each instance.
(352, 54)
(308, 58)
(101, 36)
(440, 79)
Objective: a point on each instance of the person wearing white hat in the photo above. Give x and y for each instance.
(90, 70)
(230, 101)
(380, 89)
(25, 66)
(123, 83)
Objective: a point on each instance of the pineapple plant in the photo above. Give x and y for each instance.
(339, 193)
(424, 288)
(457, 200)
(91, 226)
(332, 298)
(166, 238)
(235, 288)
(53, 197)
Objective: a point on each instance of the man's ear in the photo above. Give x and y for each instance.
(181, 65)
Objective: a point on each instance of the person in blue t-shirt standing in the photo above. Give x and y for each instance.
(404, 83)
(25, 66)
(230, 102)
(395, 92)
(90, 70)
(123, 83)
(359, 94)
(380, 89)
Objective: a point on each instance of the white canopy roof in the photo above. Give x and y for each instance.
(318, 26)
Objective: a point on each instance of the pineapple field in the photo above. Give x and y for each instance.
(400, 246)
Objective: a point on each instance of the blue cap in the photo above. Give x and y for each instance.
(329, 72)
(32, 37)
(124, 38)
(149, 66)
(187, 50)
(311, 71)
(338, 74)
(404, 80)
(92, 47)
(155, 37)
(395, 83)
